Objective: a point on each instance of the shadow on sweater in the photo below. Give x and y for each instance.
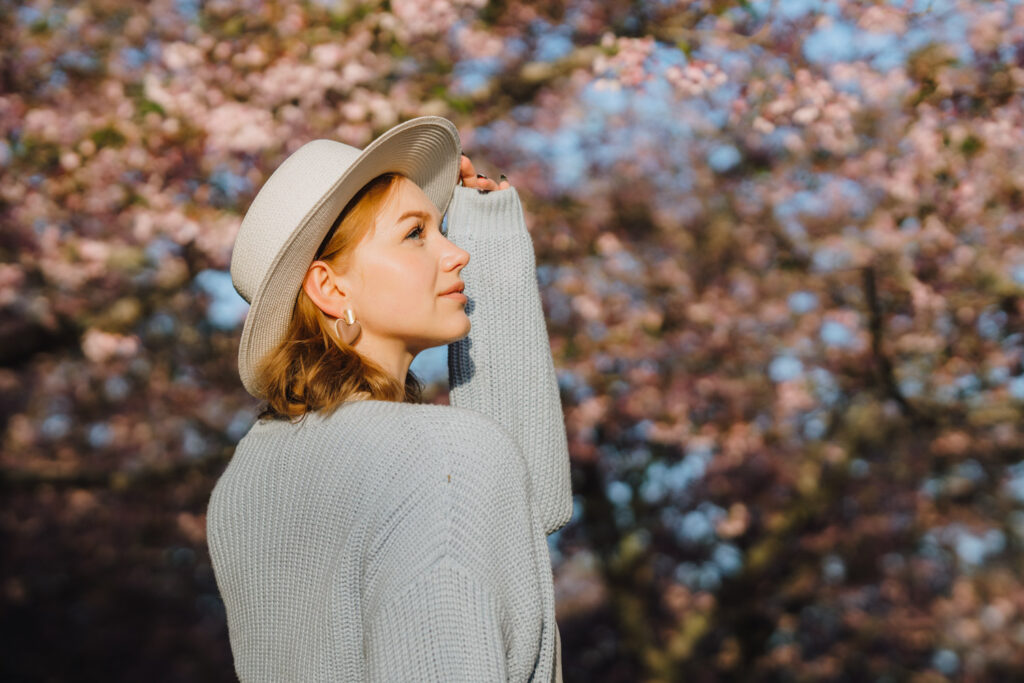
(459, 351)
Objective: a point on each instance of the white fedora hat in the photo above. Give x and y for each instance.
(292, 212)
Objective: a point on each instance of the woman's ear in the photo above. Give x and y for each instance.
(326, 289)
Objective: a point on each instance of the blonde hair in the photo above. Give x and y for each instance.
(310, 369)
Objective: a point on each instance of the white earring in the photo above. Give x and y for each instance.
(348, 329)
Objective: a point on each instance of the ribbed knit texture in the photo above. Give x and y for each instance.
(400, 542)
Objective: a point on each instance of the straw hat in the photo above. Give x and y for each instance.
(291, 214)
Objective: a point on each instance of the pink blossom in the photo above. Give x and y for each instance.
(100, 347)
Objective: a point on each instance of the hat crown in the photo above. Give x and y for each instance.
(279, 209)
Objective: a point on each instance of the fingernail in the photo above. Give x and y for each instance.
(503, 177)
(480, 175)
(482, 191)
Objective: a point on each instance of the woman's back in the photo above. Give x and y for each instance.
(326, 529)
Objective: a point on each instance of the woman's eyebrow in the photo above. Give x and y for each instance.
(410, 214)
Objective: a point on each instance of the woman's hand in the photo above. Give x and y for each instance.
(470, 178)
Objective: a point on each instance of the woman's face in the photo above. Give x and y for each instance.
(398, 273)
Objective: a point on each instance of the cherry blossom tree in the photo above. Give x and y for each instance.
(779, 247)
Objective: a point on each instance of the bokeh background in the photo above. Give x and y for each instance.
(781, 251)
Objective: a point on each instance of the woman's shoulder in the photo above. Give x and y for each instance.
(437, 443)
(461, 434)
(372, 434)
(394, 418)
(365, 416)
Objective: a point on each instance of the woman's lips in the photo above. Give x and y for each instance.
(458, 296)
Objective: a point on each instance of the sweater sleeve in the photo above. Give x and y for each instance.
(503, 367)
(445, 626)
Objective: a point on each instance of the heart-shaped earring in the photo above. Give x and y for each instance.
(348, 329)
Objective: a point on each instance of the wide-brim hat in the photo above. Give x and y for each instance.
(295, 208)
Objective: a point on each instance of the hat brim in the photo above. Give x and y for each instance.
(427, 150)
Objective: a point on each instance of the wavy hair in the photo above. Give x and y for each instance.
(311, 369)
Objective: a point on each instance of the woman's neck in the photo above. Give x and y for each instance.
(390, 354)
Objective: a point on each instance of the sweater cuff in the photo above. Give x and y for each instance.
(498, 212)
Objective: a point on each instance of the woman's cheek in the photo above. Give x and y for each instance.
(405, 283)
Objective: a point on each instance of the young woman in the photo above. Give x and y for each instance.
(358, 534)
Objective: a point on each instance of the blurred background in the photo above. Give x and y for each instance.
(781, 251)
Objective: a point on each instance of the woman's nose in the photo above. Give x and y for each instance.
(454, 258)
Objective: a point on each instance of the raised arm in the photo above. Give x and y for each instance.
(503, 368)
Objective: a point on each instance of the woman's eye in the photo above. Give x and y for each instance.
(417, 231)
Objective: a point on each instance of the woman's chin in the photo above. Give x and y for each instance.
(454, 334)
(461, 334)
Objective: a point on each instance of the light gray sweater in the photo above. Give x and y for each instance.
(400, 542)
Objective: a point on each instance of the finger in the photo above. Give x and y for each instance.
(466, 172)
(485, 183)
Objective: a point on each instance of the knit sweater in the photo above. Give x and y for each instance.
(407, 542)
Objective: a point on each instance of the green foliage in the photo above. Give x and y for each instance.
(38, 155)
(461, 105)
(342, 22)
(108, 136)
(971, 145)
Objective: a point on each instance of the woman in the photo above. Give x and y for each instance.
(357, 534)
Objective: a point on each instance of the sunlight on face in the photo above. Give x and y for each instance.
(399, 271)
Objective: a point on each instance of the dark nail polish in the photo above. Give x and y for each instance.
(503, 178)
(481, 191)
